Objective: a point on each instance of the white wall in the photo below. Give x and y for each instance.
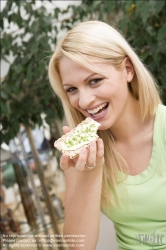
(107, 239)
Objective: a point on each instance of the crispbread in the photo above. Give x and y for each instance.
(78, 138)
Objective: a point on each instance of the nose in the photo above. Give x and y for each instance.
(86, 99)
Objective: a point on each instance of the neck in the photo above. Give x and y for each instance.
(130, 124)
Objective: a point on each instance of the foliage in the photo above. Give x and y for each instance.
(143, 23)
(25, 91)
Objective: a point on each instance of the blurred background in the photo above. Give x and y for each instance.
(32, 186)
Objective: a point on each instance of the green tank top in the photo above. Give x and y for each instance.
(140, 222)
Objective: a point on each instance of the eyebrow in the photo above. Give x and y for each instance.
(85, 80)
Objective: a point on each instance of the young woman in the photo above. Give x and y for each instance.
(97, 74)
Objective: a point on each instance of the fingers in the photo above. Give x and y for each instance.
(80, 164)
(66, 129)
(100, 149)
(89, 157)
(64, 162)
(96, 153)
(92, 154)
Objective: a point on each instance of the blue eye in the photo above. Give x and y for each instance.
(95, 81)
(70, 90)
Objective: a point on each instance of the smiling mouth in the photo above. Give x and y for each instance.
(99, 110)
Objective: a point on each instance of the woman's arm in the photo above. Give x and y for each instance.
(83, 194)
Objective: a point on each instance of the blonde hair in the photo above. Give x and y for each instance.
(100, 40)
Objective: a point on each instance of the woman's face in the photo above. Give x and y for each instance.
(103, 97)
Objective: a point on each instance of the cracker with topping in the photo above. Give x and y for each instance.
(78, 138)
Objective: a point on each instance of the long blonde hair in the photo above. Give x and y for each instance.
(100, 40)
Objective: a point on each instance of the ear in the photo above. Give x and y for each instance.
(129, 69)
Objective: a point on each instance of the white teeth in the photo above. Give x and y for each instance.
(96, 115)
(93, 111)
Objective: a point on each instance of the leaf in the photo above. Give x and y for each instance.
(34, 26)
(97, 4)
(4, 95)
(56, 12)
(162, 47)
(2, 23)
(28, 7)
(143, 10)
(29, 74)
(124, 24)
(15, 126)
(161, 33)
(159, 5)
(151, 31)
(4, 108)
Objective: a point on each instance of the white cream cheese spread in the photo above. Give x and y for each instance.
(81, 135)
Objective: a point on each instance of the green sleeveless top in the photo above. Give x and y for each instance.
(140, 222)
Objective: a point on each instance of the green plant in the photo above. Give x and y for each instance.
(143, 24)
(25, 91)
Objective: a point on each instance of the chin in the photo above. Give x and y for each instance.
(104, 127)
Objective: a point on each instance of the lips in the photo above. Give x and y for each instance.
(98, 112)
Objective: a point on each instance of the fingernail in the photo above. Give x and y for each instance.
(64, 156)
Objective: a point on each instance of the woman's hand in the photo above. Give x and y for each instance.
(90, 156)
